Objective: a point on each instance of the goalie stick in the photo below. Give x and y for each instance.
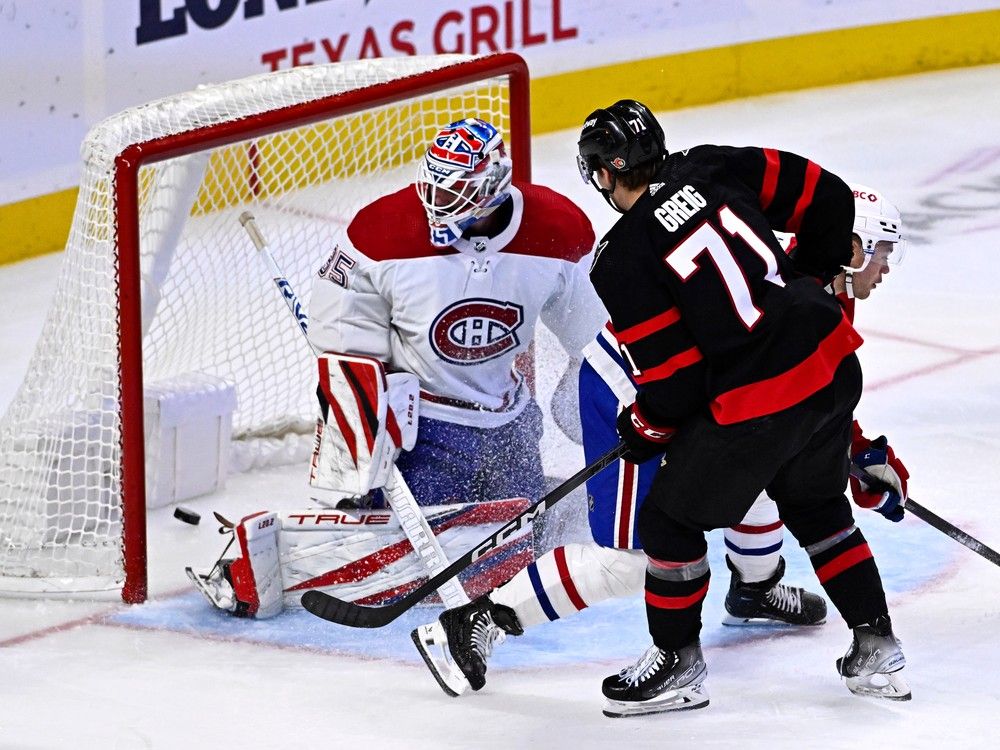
(358, 616)
(400, 499)
(929, 517)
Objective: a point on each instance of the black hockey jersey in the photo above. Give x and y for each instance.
(706, 307)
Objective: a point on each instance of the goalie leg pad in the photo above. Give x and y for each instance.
(567, 579)
(256, 574)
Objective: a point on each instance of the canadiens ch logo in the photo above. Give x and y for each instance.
(476, 330)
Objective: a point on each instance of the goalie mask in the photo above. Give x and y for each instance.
(464, 176)
(878, 225)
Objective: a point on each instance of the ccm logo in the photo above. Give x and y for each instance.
(862, 195)
(515, 525)
(340, 519)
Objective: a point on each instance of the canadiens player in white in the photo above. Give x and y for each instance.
(572, 577)
(420, 313)
(447, 280)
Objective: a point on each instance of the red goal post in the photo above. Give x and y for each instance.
(159, 289)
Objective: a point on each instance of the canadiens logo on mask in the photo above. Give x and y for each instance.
(476, 330)
(462, 178)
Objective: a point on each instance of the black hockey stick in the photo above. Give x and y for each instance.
(359, 616)
(912, 506)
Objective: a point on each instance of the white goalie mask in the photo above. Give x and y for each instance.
(464, 176)
(878, 225)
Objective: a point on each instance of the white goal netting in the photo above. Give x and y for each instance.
(281, 145)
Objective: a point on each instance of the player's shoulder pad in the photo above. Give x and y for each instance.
(552, 226)
(394, 227)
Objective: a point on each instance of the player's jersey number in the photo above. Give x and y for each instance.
(706, 239)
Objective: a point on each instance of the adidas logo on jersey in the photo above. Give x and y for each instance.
(654, 187)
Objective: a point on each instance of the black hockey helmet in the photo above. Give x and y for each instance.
(619, 138)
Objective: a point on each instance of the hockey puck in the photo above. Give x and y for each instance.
(186, 515)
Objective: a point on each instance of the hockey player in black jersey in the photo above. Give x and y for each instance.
(747, 380)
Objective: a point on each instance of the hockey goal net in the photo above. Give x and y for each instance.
(160, 284)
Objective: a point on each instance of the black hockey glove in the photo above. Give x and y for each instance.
(643, 439)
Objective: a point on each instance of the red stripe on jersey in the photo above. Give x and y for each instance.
(676, 602)
(758, 529)
(808, 190)
(625, 504)
(771, 171)
(648, 327)
(792, 386)
(559, 553)
(666, 369)
(338, 414)
(842, 562)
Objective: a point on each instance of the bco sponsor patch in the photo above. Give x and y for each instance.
(476, 330)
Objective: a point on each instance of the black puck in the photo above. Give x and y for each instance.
(187, 516)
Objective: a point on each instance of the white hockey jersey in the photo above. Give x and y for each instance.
(458, 316)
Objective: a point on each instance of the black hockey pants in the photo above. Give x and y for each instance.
(711, 476)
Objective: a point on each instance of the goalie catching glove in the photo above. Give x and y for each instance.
(367, 418)
(878, 459)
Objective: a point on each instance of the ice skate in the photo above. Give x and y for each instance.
(456, 647)
(770, 602)
(660, 681)
(873, 663)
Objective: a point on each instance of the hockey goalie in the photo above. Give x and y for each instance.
(434, 291)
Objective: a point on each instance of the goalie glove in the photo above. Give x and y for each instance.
(877, 458)
(367, 418)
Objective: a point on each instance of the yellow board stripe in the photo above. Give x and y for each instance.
(755, 68)
(35, 226)
(40, 225)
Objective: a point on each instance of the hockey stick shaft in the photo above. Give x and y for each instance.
(287, 293)
(358, 616)
(401, 500)
(927, 516)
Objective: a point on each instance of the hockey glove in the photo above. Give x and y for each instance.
(878, 459)
(643, 439)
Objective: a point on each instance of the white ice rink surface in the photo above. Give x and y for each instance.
(174, 674)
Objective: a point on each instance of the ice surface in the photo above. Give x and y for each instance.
(173, 673)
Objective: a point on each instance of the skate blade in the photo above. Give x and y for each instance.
(432, 645)
(767, 622)
(683, 699)
(214, 596)
(891, 686)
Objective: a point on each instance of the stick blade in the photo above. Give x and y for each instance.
(335, 610)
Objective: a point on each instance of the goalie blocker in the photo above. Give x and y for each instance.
(367, 418)
(361, 556)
